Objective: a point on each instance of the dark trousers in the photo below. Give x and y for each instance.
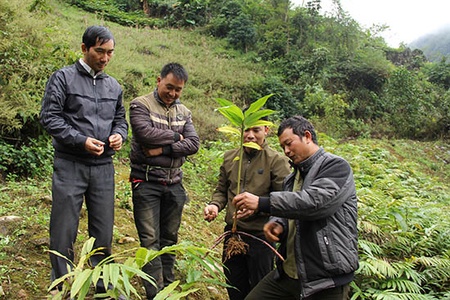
(286, 288)
(243, 272)
(72, 183)
(157, 214)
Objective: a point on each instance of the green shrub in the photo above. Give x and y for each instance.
(33, 159)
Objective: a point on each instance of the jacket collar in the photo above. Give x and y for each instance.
(155, 94)
(85, 69)
(306, 165)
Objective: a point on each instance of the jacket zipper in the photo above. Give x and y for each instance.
(169, 174)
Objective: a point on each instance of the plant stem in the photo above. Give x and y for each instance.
(238, 188)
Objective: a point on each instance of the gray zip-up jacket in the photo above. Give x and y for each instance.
(156, 125)
(325, 214)
(76, 106)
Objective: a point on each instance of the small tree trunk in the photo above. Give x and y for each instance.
(146, 7)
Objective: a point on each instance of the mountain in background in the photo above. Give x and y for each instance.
(435, 45)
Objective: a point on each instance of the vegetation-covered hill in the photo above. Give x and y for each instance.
(324, 68)
(435, 46)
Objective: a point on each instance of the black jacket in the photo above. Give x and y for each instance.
(325, 214)
(77, 106)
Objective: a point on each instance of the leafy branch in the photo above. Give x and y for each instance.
(119, 269)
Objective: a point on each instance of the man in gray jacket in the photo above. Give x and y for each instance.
(83, 112)
(314, 219)
(163, 136)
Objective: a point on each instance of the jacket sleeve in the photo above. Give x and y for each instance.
(321, 198)
(220, 194)
(191, 142)
(120, 124)
(144, 131)
(52, 113)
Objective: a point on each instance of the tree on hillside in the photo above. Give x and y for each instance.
(242, 32)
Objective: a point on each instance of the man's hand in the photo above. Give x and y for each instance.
(115, 142)
(210, 212)
(272, 231)
(94, 146)
(246, 201)
(240, 214)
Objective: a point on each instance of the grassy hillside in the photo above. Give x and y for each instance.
(402, 185)
(56, 29)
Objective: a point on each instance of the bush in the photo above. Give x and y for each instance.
(33, 159)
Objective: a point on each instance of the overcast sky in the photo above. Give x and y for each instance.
(407, 19)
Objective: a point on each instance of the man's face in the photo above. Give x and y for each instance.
(169, 88)
(256, 134)
(295, 147)
(98, 56)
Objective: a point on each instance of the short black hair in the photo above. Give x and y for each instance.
(299, 125)
(176, 69)
(97, 33)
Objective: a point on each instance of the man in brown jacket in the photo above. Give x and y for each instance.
(263, 172)
(163, 136)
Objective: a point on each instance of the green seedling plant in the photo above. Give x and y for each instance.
(240, 122)
(119, 269)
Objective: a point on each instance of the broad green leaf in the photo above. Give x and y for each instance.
(80, 281)
(106, 274)
(141, 255)
(260, 123)
(233, 114)
(126, 282)
(250, 120)
(87, 246)
(229, 129)
(60, 280)
(84, 290)
(224, 102)
(257, 105)
(181, 295)
(114, 274)
(164, 294)
(96, 275)
(252, 145)
(141, 274)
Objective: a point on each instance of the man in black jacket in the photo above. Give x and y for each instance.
(314, 219)
(83, 112)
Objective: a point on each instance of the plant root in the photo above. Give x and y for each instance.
(229, 232)
(235, 246)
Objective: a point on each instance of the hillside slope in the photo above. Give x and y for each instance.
(435, 45)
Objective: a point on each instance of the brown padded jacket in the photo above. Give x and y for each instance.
(155, 125)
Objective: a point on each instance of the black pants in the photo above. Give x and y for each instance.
(243, 272)
(72, 183)
(157, 214)
(285, 288)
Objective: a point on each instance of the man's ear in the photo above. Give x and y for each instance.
(266, 130)
(308, 136)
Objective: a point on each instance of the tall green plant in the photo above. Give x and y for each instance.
(241, 121)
